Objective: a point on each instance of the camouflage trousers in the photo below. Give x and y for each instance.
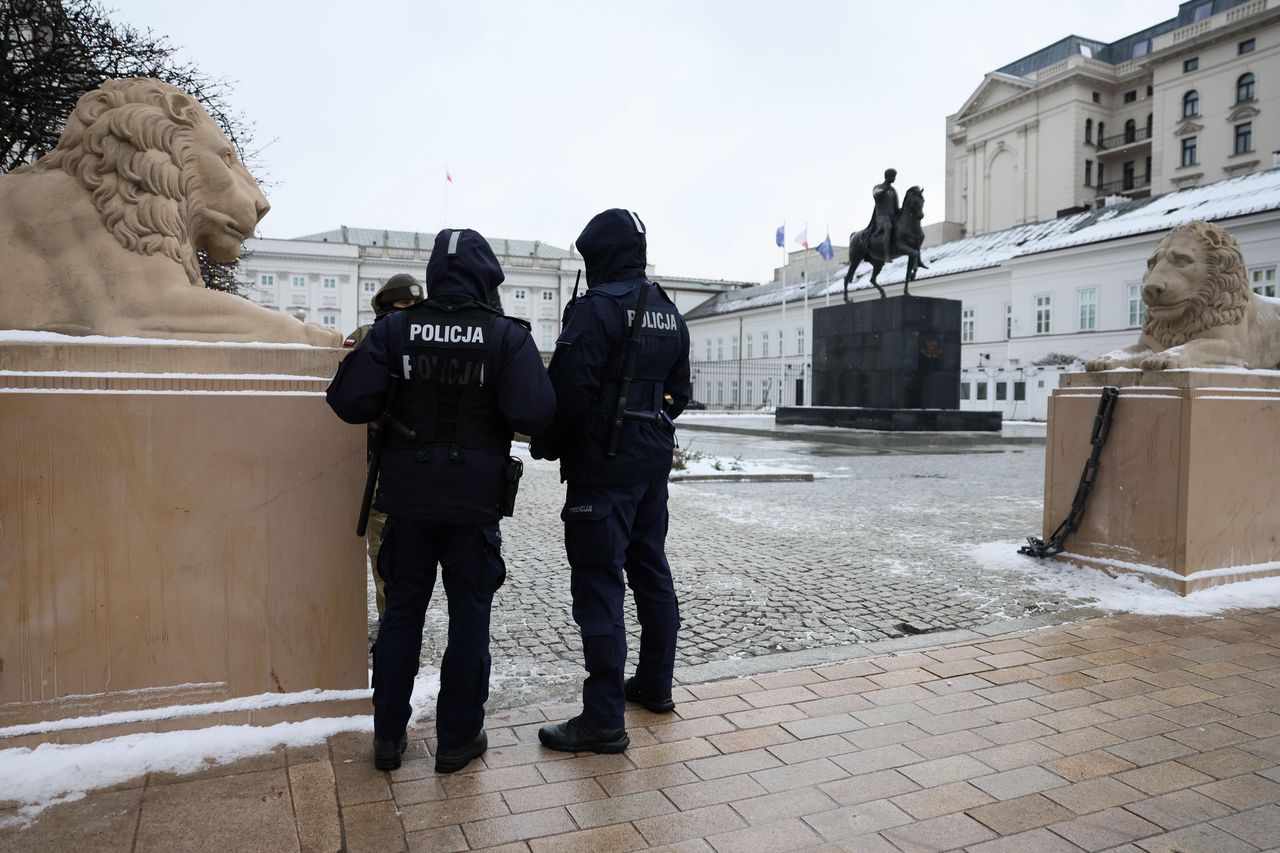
(373, 541)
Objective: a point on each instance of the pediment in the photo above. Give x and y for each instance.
(1187, 128)
(1244, 112)
(994, 89)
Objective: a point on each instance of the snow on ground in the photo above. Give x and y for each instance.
(1127, 593)
(705, 465)
(56, 773)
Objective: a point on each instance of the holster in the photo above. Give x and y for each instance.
(514, 471)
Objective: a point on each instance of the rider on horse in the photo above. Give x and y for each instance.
(880, 229)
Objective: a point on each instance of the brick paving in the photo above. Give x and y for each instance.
(1124, 733)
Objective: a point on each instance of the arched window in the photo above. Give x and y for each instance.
(1149, 125)
(1191, 104)
(1088, 130)
(1245, 88)
(1130, 131)
(1102, 126)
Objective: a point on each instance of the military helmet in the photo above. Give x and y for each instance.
(399, 286)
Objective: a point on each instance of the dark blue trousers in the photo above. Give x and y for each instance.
(473, 570)
(609, 532)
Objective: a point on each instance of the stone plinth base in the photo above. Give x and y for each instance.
(1188, 489)
(902, 352)
(894, 420)
(176, 528)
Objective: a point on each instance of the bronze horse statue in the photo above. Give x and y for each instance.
(907, 237)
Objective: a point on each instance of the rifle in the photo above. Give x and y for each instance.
(385, 422)
(621, 413)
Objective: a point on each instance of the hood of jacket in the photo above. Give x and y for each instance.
(613, 246)
(463, 263)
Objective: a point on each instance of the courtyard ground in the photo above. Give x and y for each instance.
(866, 664)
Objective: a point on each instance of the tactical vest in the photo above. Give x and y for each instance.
(448, 396)
(647, 387)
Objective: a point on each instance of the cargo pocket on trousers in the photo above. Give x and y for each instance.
(599, 652)
(493, 551)
(587, 535)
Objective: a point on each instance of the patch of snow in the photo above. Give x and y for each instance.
(55, 773)
(1128, 593)
(20, 336)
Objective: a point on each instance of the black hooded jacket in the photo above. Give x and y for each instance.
(459, 481)
(587, 367)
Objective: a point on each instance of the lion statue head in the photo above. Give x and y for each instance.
(161, 173)
(1195, 280)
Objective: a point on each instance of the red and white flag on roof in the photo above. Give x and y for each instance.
(802, 239)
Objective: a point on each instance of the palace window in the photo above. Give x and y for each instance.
(1191, 104)
(1044, 314)
(733, 391)
(719, 392)
(1097, 98)
(1127, 181)
(1002, 390)
(1088, 130)
(708, 349)
(1246, 46)
(982, 390)
(1088, 173)
(299, 281)
(1189, 65)
(733, 346)
(751, 351)
(1263, 281)
(764, 345)
(800, 341)
(1008, 321)
(547, 332)
(267, 280)
(1137, 308)
(966, 326)
(548, 296)
(719, 349)
(964, 390)
(329, 320)
(1130, 130)
(1087, 301)
(330, 284)
(1246, 88)
(1019, 391)
(1244, 138)
(1130, 97)
(1189, 151)
(369, 286)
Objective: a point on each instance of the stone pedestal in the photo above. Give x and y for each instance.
(1188, 489)
(176, 528)
(888, 364)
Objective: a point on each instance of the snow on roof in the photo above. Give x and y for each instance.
(425, 239)
(1222, 200)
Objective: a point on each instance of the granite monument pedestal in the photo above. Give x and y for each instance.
(888, 364)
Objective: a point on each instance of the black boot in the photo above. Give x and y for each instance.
(651, 702)
(577, 735)
(451, 760)
(386, 753)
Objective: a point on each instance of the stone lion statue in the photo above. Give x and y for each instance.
(100, 235)
(1200, 309)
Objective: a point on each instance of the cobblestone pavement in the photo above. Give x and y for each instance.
(875, 547)
(1129, 733)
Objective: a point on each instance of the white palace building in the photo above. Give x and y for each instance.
(1064, 170)
(329, 278)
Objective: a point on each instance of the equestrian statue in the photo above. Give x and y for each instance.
(893, 232)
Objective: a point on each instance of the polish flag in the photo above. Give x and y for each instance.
(802, 239)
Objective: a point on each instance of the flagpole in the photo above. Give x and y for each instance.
(782, 342)
(804, 325)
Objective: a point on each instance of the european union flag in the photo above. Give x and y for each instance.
(824, 249)
(782, 235)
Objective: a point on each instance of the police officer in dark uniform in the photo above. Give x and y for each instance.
(615, 511)
(463, 378)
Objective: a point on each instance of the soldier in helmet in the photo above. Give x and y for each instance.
(399, 291)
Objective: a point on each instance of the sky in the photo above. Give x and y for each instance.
(715, 120)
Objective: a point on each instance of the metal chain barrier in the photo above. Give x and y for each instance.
(1036, 547)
